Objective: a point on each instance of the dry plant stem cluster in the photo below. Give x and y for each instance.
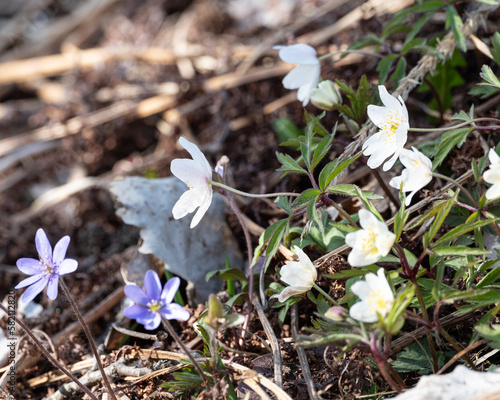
(49, 356)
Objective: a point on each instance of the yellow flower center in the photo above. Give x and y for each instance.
(154, 305)
(368, 242)
(377, 302)
(390, 126)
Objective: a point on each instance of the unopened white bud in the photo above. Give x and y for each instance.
(326, 95)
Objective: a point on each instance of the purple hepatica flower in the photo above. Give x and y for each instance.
(46, 271)
(152, 303)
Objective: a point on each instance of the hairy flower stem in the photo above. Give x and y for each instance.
(385, 188)
(451, 127)
(49, 356)
(460, 186)
(186, 351)
(248, 240)
(326, 295)
(257, 196)
(89, 337)
(421, 302)
(329, 202)
(382, 364)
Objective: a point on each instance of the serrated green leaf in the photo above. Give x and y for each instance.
(305, 197)
(321, 150)
(312, 214)
(333, 169)
(284, 203)
(490, 78)
(454, 20)
(289, 164)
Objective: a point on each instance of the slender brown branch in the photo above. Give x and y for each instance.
(49, 356)
(89, 337)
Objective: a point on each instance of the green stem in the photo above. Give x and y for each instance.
(459, 185)
(89, 337)
(230, 189)
(326, 295)
(344, 214)
(449, 128)
(427, 330)
(49, 356)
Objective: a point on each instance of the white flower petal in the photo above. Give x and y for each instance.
(388, 100)
(205, 205)
(360, 312)
(189, 172)
(298, 54)
(291, 291)
(189, 201)
(196, 153)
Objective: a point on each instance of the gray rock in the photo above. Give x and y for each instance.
(189, 253)
(461, 384)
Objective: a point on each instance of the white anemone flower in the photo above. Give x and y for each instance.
(416, 175)
(300, 275)
(376, 298)
(493, 175)
(370, 243)
(197, 174)
(305, 76)
(392, 119)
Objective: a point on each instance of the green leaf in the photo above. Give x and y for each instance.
(400, 218)
(490, 78)
(275, 239)
(454, 20)
(284, 203)
(368, 40)
(333, 169)
(312, 214)
(490, 278)
(400, 71)
(286, 129)
(462, 229)
(305, 197)
(438, 221)
(429, 6)
(289, 164)
(449, 140)
(411, 44)
(490, 332)
(416, 27)
(321, 150)
(458, 251)
(348, 274)
(346, 189)
(275, 229)
(495, 51)
(369, 206)
(384, 67)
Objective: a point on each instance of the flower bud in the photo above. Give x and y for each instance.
(326, 95)
(336, 313)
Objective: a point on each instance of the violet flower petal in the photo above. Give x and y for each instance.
(136, 294)
(175, 311)
(52, 287)
(43, 245)
(60, 250)
(30, 293)
(135, 312)
(171, 287)
(152, 285)
(29, 281)
(29, 266)
(67, 266)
